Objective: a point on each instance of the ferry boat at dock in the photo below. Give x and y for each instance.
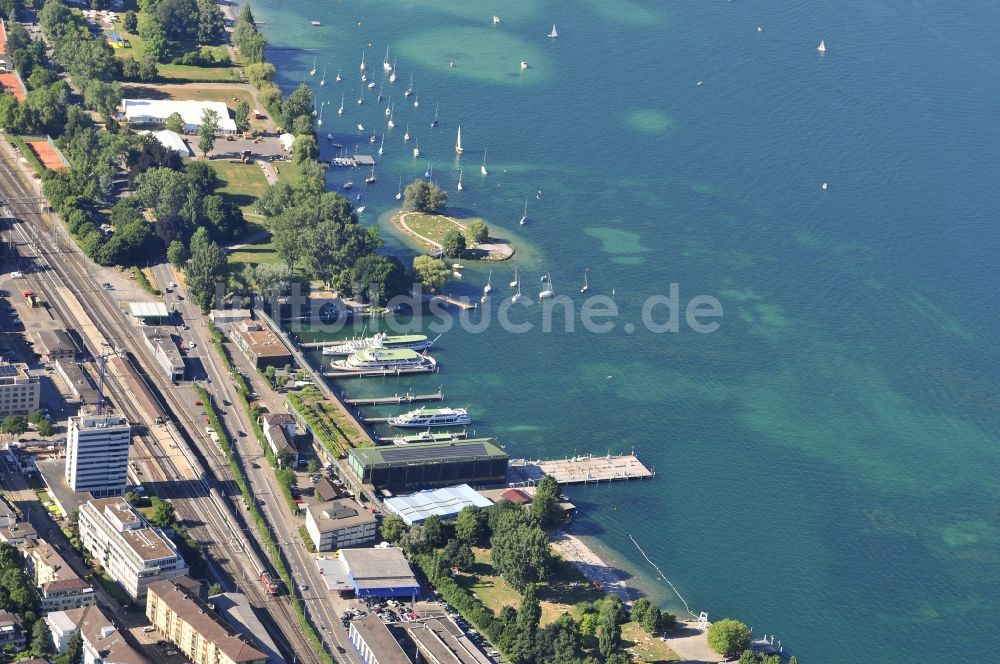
(431, 417)
(381, 340)
(384, 360)
(428, 437)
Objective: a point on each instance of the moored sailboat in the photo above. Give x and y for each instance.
(458, 142)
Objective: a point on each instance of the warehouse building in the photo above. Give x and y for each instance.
(260, 345)
(379, 573)
(161, 344)
(428, 465)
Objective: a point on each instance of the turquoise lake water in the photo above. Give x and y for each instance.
(827, 459)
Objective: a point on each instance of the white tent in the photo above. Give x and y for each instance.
(156, 111)
(287, 142)
(172, 140)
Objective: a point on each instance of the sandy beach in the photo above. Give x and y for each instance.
(611, 579)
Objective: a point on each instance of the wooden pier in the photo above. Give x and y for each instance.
(579, 470)
(409, 397)
(461, 303)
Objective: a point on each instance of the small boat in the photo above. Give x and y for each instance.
(554, 34)
(361, 210)
(361, 99)
(371, 84)
(329, 137)
(823, 186)
(434, 122)
(456, 274)
(364, 77)
(371, 178)
(315, 23)
(524, 217)
(406, 135)
(371, 139)
(319, 121)
(385, 63)
(392, 76)
(431, 417)
(347, 185)
(409, 90)
(361, 127)
(416, 101)
(388, 107)
(524, 65)
(460, 179)
(458, 142)
(516, 281)
(822, 47)
(484, 298)
(391, 123)
(429, 171)
(416, 150)
(322, 81)
(482, 169)
(549, 291)
(496, 20)
(586, 285)
(517, 296)
(544, 278)
(340, 111)
(312, 72)
(489, 286)
(338, 78)
(381, 146)
(363, 65)
(380, 92)
(399, 193)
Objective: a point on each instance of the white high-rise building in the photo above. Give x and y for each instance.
(97, 452)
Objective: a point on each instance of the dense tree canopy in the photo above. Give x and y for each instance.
(728, 637)
(432, 272)
(453, 243)
(424, 196)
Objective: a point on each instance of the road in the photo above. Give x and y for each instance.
(319, 603)
(60, 266)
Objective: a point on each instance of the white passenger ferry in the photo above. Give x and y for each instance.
(384, 360)
(431, 417)
(381, 340)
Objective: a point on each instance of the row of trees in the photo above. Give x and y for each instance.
(172, 27)
(18, 595)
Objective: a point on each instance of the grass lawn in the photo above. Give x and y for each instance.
(431, 226)
(242, 183)
(287, 171)
(179, 72)
(645, 648)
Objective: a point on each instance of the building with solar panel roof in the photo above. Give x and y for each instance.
(416, 466)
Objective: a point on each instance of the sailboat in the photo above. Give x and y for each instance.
(392, 76)
(460, 179)
(496, 20)
(434, 122)
(416, 101)
(489, 286)
(409, 90)
(319, 121)
(586, 284)
(458, 142)
(399, 194)
(524, 217)
(482, 169)
(553, 34)
(340, 111)
(430, 169)
(371, 178)
(517, 296)
(388, 107)
(361, 99)
(385, 63)
(371, 139)
(381, 146)
(322, 81)
(361, 127)
(363, 65)
(380, 92)
(364, 77)
(312, 72)
(416, 150)
(549, 291)
(822, 47)
(391, 123)
(406, 136)
(516, 281)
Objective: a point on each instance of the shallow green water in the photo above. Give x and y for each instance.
(827, 460)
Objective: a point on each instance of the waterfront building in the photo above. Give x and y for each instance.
(428, 465)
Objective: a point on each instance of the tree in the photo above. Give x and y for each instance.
(272, 279)
(433, 531)
(45, 428)
(424, 197)
(652, 619)
(458, 554)
(41, 638)
(148, 69)
(304, 149)
(259, 72)
(131, 21)
(530, 611)
(471, 526)
(378, 278)
(300, 102)
(206, 130)
(14, 425)
(177, 254)
(728, 637)
(215, 589)
(242, 116)
(206, 268)
(175, 122)
(432, 272)
(162, 514)
(545, 504)
(477, 232)
(74, 649)
(211, 23)
(453, 243)
(521, 555)
(392, 528)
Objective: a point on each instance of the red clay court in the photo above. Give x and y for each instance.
(47, 155)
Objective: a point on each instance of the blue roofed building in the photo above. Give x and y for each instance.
(379, 572)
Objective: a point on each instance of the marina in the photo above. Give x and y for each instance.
(580, 469)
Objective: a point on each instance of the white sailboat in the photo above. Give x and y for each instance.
(489, 286)
(322, 81)
(399, 193)
(312, 72)
(822, 47)
(388, 107)
(416, 101)
(319, 120)
(380, 92)
(340, 111)
(338, 78)
(586, 284)
(482, 169)
(371, 139)
(361, 99)
(364, 77)
(385, 63)
(434, 122)
(363, 65)
(371, 178)
(524, 65)
(524, 217)
(458, 142)
(553, 34)
(409, 90)
(361, 127)
(517, 296)
(496, 20)
(429, 171)
(460, 179)
(381, 146)
(361, 209)
(392, 76)
(391, 123)
(416, 150)
(549, 291)
(406, 135)
(516, 281)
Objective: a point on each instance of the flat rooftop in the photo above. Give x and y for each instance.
(338, 514)
(148, 310)
(417, 453)
(378, 568)
(445, 502)
(261, 341)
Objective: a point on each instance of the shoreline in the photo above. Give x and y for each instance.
(496, 251)
(608, 578)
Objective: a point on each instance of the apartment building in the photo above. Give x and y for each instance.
(97, 446)
(130, 551)
(102, 642)
(339, 524)
(19, 390)
(58, 585)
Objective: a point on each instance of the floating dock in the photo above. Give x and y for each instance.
(579, 470)
(461, 303)
(409, 397)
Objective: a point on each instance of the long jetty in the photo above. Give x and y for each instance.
(408, 397)
(374, 373)
(580, 469)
